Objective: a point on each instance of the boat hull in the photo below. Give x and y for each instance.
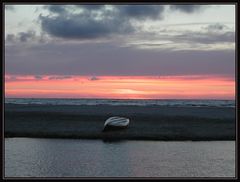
(115, 123)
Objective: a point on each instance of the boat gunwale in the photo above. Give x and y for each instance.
(118, 122)
(109, 120)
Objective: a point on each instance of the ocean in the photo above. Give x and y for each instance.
(124, 102)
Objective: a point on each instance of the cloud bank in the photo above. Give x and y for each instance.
(94, 21)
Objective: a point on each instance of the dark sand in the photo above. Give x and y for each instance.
(146, 123)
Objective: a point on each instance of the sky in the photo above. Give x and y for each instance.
(161, 51)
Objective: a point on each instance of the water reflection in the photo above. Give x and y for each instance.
(95, 158)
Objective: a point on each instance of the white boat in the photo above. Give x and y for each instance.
(116, 122)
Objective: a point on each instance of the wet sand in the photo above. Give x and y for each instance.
(146, 123)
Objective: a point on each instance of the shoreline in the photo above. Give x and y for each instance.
(146, 123)
(9, 136)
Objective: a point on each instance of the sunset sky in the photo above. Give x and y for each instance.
(120, 51)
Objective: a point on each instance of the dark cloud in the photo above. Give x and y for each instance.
(26, 36)
(97, 21)
(141, 11)
(205, 38)
(82, 27)
(85, 25)
(187, 8)
(37, 77)
(21, 37)
(209, 34)
(59, 77)
(216, 27)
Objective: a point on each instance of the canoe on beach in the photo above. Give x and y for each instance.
(114, 123)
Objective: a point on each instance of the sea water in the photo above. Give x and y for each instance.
(35, 157)
(127, 102)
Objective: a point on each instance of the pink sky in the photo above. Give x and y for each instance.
(121, 87)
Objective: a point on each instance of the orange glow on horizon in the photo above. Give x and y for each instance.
(121, 87)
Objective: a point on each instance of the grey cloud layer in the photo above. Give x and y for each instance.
(73, 59)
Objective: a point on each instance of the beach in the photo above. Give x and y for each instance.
(164, 123)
